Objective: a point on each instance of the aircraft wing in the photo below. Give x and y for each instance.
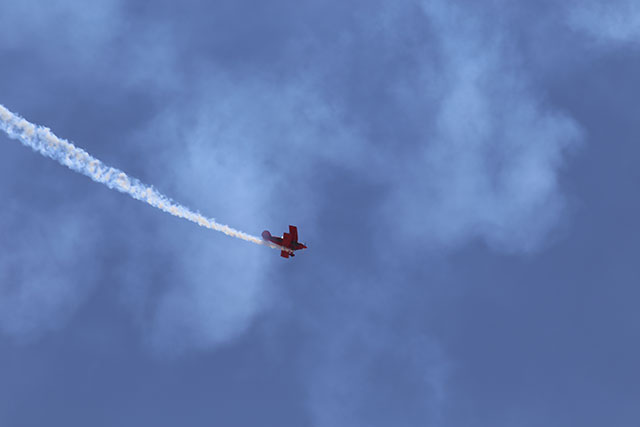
(287, 239)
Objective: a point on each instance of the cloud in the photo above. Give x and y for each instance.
(240, 149)
(442, 115)
(488, 166)
(77, 31)
(607, 21)
(47, 269)
(421, 111)
(213, 300)
(461, 146)
(370, 366)
(220, 146)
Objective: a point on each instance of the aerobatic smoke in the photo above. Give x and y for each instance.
(42, 140)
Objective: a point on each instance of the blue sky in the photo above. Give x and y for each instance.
(464, 174)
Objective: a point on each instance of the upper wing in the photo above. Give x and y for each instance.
(293, 230)
(286, 240)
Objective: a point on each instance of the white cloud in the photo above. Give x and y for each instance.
(47, 268)
(239, 150)
(489, 166)
(77, 30)
(616, 21)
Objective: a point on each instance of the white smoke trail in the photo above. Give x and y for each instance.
(42, 140)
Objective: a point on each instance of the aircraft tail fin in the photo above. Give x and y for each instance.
(293, 230)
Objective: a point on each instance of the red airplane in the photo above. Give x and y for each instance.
(288, 240)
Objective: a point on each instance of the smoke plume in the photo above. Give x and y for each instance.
(43, 141)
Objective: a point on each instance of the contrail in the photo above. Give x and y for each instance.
(42, 140)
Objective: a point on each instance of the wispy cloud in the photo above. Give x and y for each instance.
(476, 153)
(79, 30)
(488, 167)
(49, 270)
(427, 102)
(260, 142)
(615, 21)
